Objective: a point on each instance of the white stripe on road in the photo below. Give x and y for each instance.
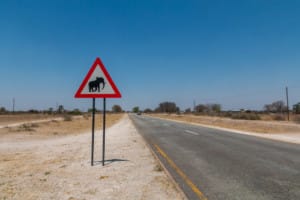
(191, 132)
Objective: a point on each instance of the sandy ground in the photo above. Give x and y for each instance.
(59, 168)
(49, 128)
(17, 118)
(281, 131)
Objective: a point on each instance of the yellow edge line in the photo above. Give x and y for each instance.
(181, 174)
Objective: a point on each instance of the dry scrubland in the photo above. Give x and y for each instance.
(16, 118)
(51, 160)
(258, 126)
(53, 128)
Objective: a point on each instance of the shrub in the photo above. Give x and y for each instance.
(75, 112)
(226, 114)
(26, 127)
(86, 116)
(158, 168)
(278, 117)
(67, 118)
(297, 119)
(246, 116)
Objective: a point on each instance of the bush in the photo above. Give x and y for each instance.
(67, 118)
(246, 116)
(278, 117)
(27, 127)
(75, 112)
(86, 116)
(3, 110)
(297, 119)
(226, 114)
(148, 110)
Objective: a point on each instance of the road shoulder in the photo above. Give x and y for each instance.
(59, 168)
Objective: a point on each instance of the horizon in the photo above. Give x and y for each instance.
(241, 55)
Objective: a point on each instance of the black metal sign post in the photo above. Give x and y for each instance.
(103, 140)
(93, 83)
(93, 133)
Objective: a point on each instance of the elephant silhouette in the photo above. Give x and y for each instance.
(95, 85)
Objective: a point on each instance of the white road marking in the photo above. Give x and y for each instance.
(191, 132)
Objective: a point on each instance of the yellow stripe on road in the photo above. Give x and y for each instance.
(181, 174)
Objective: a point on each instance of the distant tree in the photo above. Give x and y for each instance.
(188, 110)
(208, 108)
(296, 108)
(275, 107)
(167, 107)
(215, 108)
(116, 109)
(136, 109)
(33, 111)
(201, 108)
(148, 110)
(90, 110)
(2, 110)
(50, 111)
(76, 111)
(60, 109)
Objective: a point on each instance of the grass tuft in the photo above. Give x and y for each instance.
(158, 168)
(68, 118)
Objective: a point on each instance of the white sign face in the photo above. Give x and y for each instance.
(98, 84)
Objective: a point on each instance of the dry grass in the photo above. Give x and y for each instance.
(75, 125)
(244, 125)
(15, 118)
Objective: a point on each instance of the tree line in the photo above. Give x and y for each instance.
(168, 107)
(60, 110)
(171, 107)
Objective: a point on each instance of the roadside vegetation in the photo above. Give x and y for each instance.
(273, 118)
(68, 125)
(7, 116)
(275, 111)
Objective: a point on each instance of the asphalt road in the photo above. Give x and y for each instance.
(212, 164)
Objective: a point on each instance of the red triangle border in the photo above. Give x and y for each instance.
(117, 93)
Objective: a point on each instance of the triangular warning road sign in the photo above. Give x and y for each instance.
(98, 83)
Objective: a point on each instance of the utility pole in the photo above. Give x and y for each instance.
(287, 102)
(194, 106)
(13, 108)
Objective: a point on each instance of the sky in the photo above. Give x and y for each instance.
(241, 54)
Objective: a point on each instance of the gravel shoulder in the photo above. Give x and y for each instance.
(59, 168)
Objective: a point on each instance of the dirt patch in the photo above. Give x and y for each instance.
(59, 167)
(244, 125)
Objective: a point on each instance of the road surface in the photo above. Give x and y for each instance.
(218, 165)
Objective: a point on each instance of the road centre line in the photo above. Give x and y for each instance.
(191, 132)
(194, 188)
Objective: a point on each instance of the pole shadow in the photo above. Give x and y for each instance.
(108, 162)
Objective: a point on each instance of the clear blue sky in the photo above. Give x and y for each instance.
(239, 53)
